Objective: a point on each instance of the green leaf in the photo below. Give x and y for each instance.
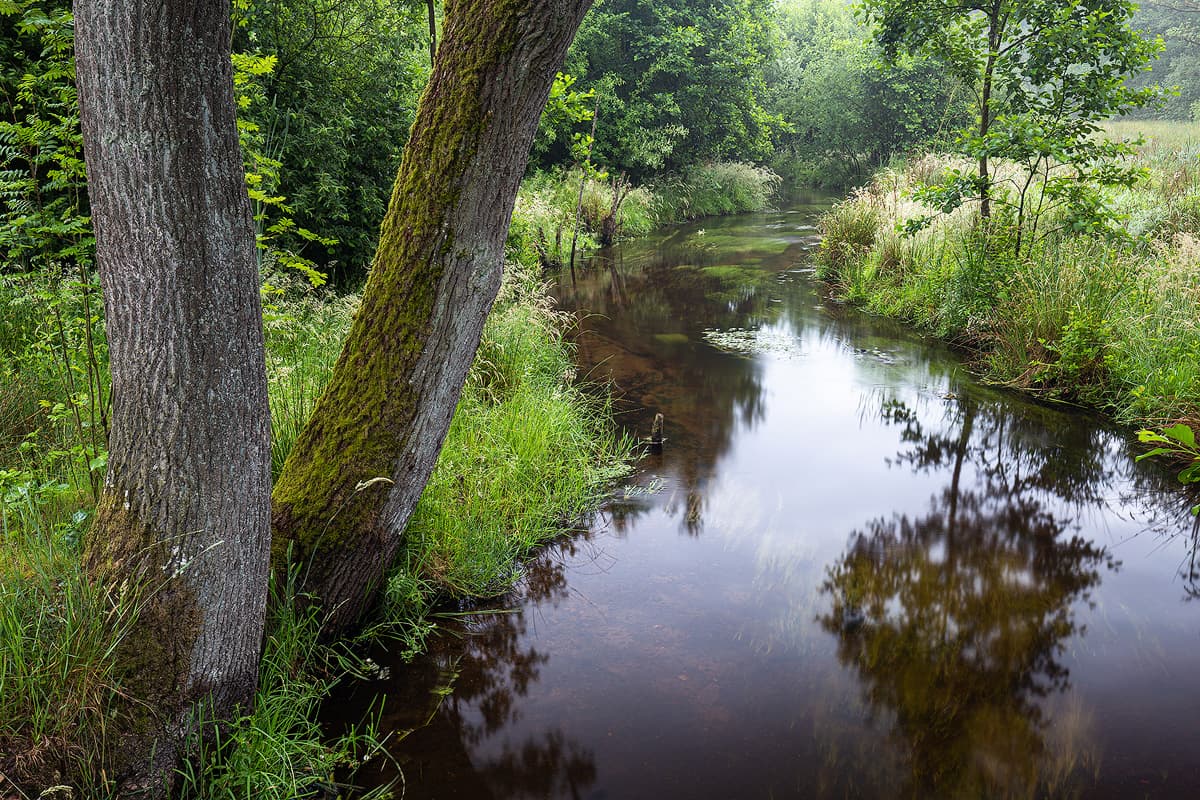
(1158, 451)
(1146, 435)
(1182, 434)
(1190, 474)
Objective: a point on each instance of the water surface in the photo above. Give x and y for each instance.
(851, 572)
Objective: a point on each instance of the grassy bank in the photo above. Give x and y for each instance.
(1103, 320)
(544, 218)
(528, 453)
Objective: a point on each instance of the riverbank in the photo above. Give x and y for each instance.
(1101, 320)
(529, 452)
(611, 207)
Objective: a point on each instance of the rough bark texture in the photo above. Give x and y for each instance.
(437, 269)
(185, 510)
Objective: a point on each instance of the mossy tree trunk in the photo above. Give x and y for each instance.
(436, 272)
(185, 513)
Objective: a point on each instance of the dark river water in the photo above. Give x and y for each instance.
(851, 572)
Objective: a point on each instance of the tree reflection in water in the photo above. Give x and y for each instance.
(956, 622)
(443, 708)
(654, 354)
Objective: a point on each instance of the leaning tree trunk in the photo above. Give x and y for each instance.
(437, 269)
(185, 511)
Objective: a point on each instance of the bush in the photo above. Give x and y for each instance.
(715, 189)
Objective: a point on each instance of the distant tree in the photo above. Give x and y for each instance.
(678, 82)
(1178, 22)
(356, 471)
(844, 110)
(184, 517)
(1042, 72)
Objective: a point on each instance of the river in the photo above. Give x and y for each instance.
(852, 571)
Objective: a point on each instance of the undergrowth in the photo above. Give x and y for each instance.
(58, 633)
(277, 750)
(528, 453)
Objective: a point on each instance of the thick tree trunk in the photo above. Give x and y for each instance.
(185, 510)
(437, 269)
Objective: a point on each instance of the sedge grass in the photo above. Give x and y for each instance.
(528, 453)
(303, 337)
(58, 635)
(715, 189)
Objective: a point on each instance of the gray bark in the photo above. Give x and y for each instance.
(186, 505)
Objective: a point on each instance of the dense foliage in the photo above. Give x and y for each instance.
(844, 111)
(43, 201)
(677, 82)
(335, 111)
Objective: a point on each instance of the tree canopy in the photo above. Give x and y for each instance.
(1042, 74)
(678, 82)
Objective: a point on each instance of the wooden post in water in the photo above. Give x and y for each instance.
(656, 433)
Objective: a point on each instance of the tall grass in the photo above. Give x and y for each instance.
(543, 223)
(278, 750)
(1159, 135)
(1108, 322)
(528, 453)
(304, 336)
(715, 189)
(58, 633)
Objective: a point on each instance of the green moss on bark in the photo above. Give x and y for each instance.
(153, 659)
(360, 425)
